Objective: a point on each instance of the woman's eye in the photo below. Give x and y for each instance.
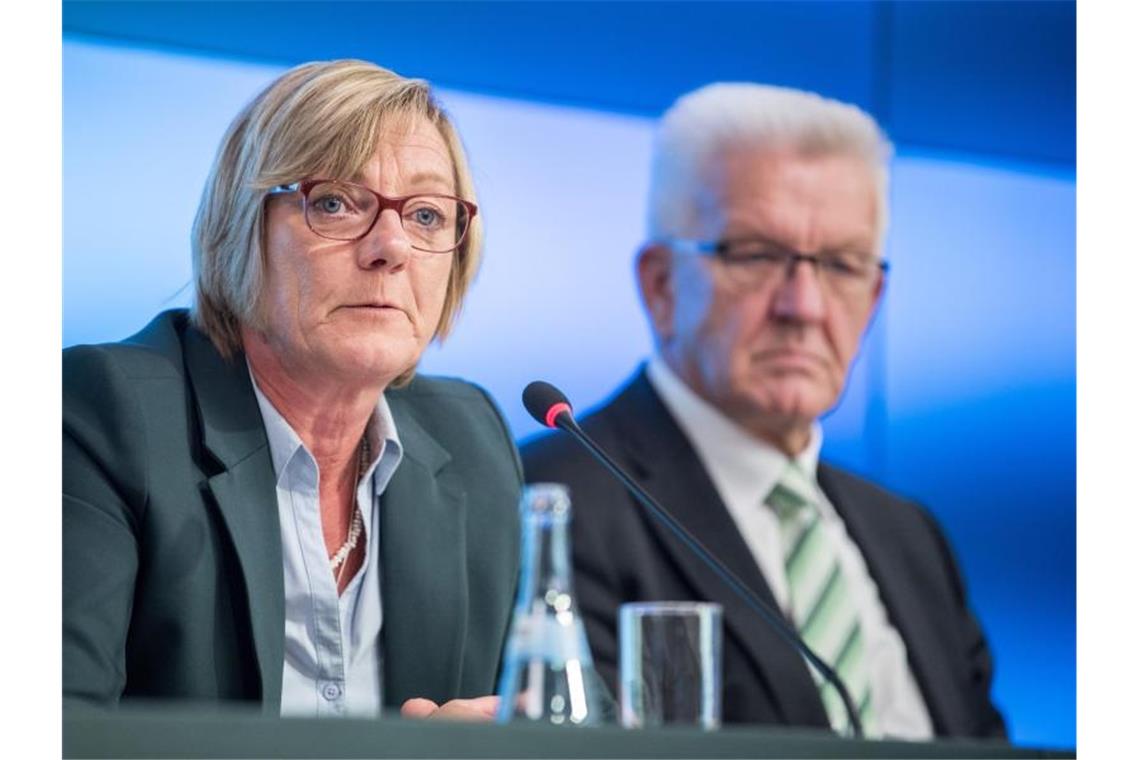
(329, 204)
(426, 217)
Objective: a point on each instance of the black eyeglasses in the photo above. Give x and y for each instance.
(754, 262)
(345, 211)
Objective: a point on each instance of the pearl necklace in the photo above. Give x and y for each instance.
(340, 558)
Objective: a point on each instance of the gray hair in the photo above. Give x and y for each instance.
(702, 123)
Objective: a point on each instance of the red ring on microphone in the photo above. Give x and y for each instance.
(557, 409)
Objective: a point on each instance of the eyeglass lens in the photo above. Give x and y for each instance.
(845, 274)
(341, 211)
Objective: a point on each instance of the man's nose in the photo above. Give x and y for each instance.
(799, 297)
(386, 246)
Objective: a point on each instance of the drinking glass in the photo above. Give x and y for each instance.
(670, 664)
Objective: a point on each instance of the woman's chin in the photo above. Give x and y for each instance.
(373, 364)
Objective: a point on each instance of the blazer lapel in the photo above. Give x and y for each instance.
(901, 597)
(668, 467)
(245, 492)
(424, 582)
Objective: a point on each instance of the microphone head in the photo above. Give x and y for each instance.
(545, 403)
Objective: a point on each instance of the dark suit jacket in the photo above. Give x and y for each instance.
(622, 555)
(173, 583)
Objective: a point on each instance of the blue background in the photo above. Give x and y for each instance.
(964, 396)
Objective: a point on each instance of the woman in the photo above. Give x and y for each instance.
(260, 501)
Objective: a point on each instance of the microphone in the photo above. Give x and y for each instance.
(549, 406)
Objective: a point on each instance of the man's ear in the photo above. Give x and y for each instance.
(655, 283)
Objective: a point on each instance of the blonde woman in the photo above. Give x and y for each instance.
(260, 500)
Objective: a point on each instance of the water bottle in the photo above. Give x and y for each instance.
(548, 674)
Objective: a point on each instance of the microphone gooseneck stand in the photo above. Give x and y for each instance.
(549, 406)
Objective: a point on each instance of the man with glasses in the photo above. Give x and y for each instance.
(767, 215)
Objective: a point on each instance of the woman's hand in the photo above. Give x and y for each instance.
(479, 709)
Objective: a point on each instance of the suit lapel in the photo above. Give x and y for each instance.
(668, 467)
(245, 492)
(900, 595)
(424, 586)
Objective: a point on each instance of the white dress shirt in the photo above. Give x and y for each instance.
(333, 663)
(744, 470)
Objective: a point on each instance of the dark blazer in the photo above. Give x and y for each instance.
(173, 583)
(622, 555)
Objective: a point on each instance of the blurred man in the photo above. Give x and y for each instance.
(767, 215)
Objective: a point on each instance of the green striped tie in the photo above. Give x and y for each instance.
(822, 607)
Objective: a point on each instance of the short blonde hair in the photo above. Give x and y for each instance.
(318, 119)
(701, 124)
